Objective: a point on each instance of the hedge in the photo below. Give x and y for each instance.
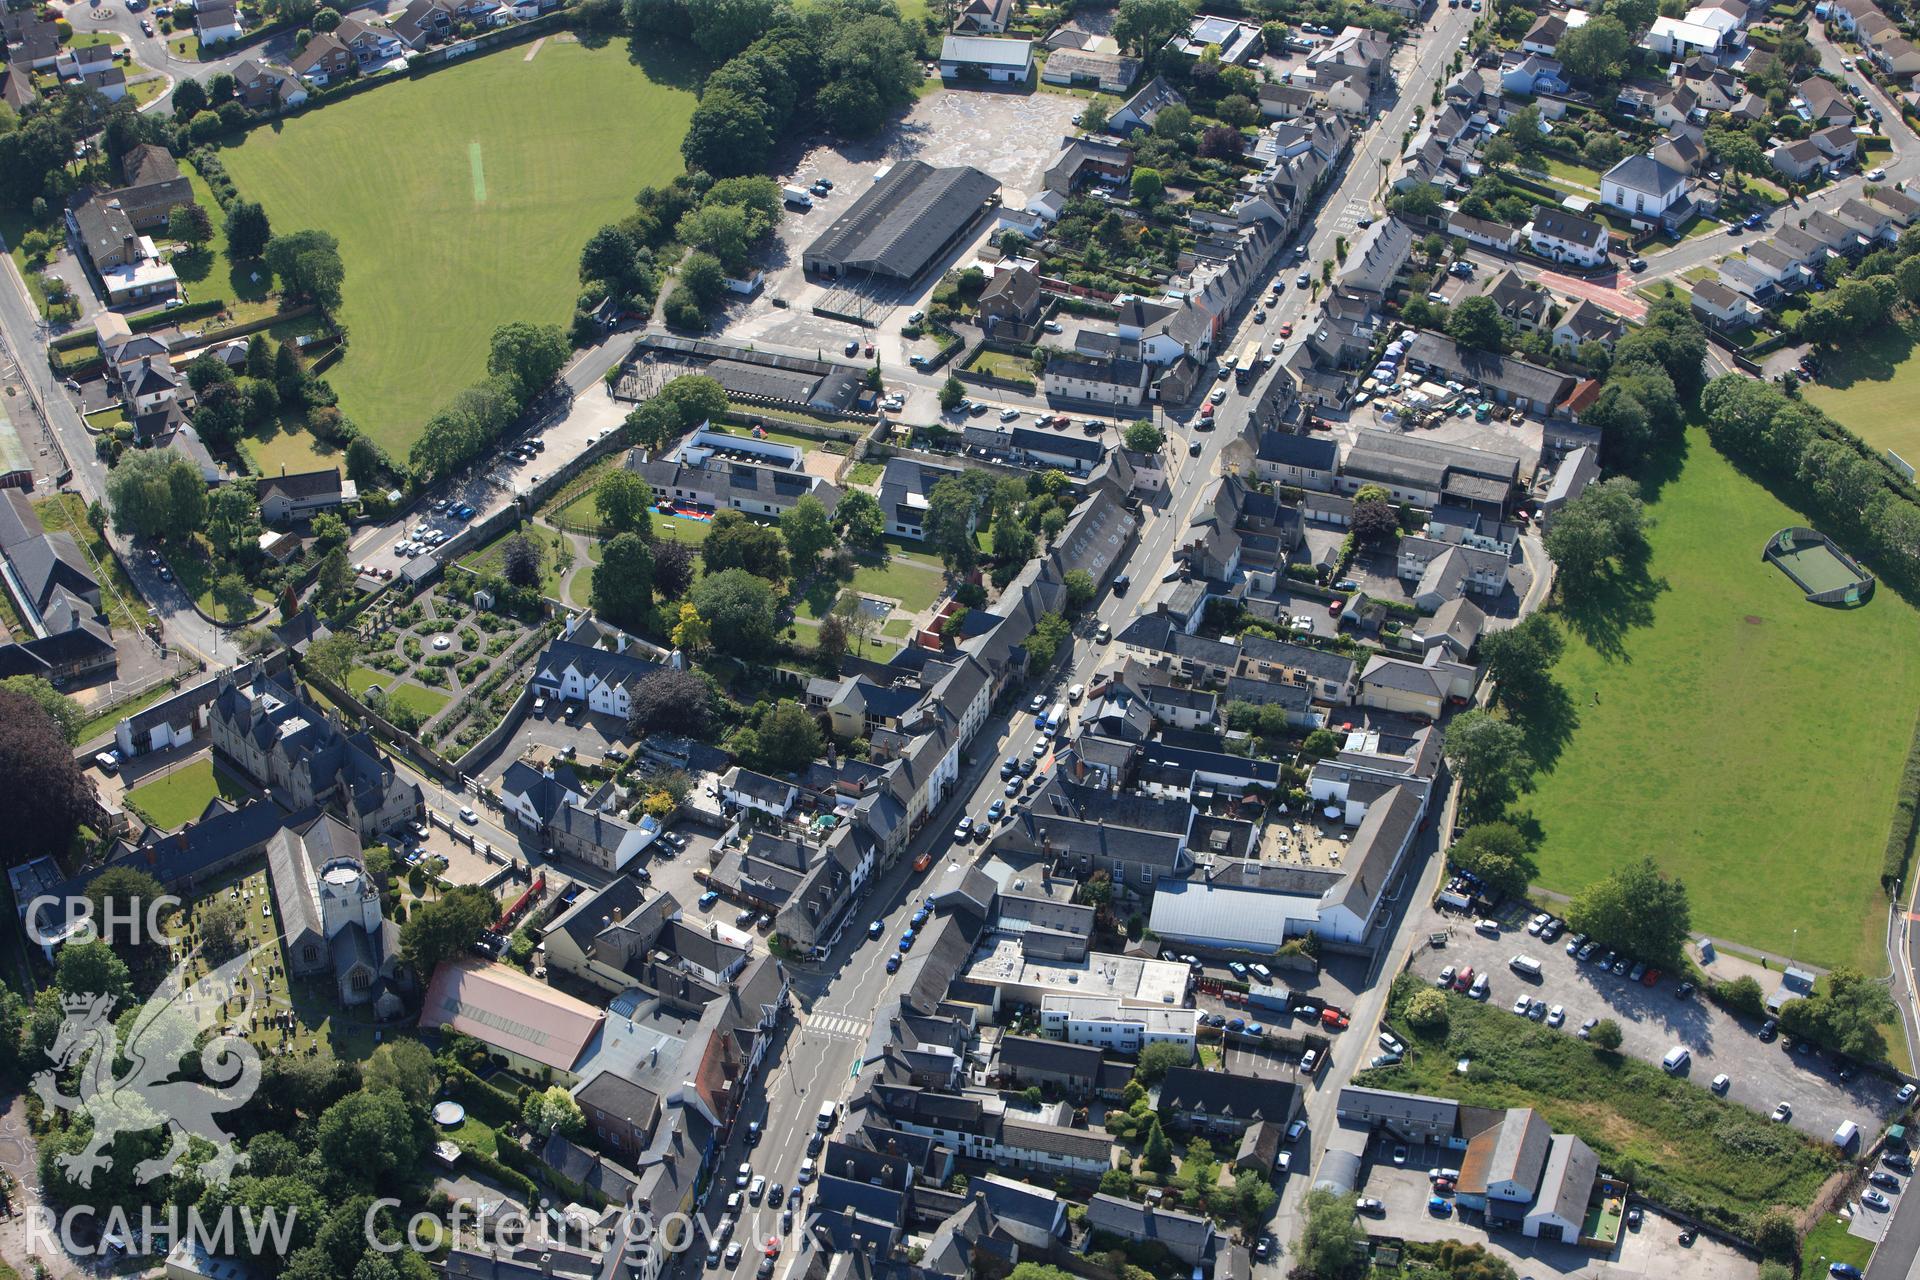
(174, 315)
(1906, 815)
(489, 1103)
(512, 1179)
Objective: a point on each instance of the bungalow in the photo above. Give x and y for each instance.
(1567, 237)
(977, 58)
(1643, 187)
(1721, 307)
(292, 497)
(1489, 235)
(155, 186)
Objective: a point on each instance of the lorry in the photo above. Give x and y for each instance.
(796, 196)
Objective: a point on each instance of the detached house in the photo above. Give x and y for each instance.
(1567, 237)
(1643, 187)
(603, 679)
(217, 24)
(325, 60)
(983, 17)
(1721, 307)
(285, 498)
(423, 23)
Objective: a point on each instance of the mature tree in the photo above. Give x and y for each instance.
(528, 356)
(404, 1066)
(48, 797)
(1144, 437)
(1157, 1152)
(190, 224)
(951, 507)
(859, 514)
(1605, 1035)
(1375, 520)
(552, 1110)
(623, 500)
(1148, 186)
(739, 609)
(447, 927)
(612, 256)
(521, 559)
(1671, 338)
(64, 711)
(674, 568)
(670, 701)
(1475, 322)
(735, 541)
(730, 133)
(189, 99)
(623, 581)
(1143, 26)
(691, 635)
(1426, 1012)
(156, 493)
(1597, 52)
(789, 737)
(1490, 757)
(1520, 659)
(1080, 589)
(1332, 1243)
(1499, 854)
(370, 1135)
(1049, 633)
(808, 531)
(1157, 1059)
(702, 275)
(1589, 532)
(952, 392)
(831, 640)
(1846, 1015)
(222, 928)
(92, 968)
(1636, 908)
(307, 264)
(233, 521)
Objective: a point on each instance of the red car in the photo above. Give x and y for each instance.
(1286, 330)
(1463, 979)
(1206, 411)
(1335, 606)
(1333, 1019)
(1650, 977)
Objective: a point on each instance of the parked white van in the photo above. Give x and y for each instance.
(1525, 966)
(1846, 1135)
(1676, 1060)
(1489, 927)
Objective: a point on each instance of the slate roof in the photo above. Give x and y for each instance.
(898, 223)
(1074, 1144)
(45, 561)
(1136, 1221)
(1563, 224)
(1309, 452)
(1021, 1054)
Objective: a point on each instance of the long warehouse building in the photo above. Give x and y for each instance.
(904, 223)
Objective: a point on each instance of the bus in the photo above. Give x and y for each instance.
(1249, 364)
(1056, 718)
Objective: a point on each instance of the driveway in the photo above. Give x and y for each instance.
(1653, 1250)
(1653, 1020)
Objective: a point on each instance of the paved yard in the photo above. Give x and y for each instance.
(549, 731)
(1653, 1020)
(1013, 137)
(1653, 1250)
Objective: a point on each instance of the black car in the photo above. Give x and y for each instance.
(814, 1143)
(1768, 1030)
(1193, 450)
(1121, 583)
(1683, 991)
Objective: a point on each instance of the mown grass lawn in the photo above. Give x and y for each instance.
(289, 448)
(1870, 384)
(183, 795)
(1571, 171)
(421, 699)
(1685, 1143)
(207, 271)
(1747, 740)
(555, 556)
(461, 201)
(1830, 1242)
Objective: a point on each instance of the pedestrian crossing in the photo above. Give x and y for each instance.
(838, 1026)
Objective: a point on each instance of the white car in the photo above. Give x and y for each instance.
(1557, 1015)
(1876, 175)
(1721, 1081)
(1521, 1004)
(1219, 394)
(1586, 1028)
(468, 816)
